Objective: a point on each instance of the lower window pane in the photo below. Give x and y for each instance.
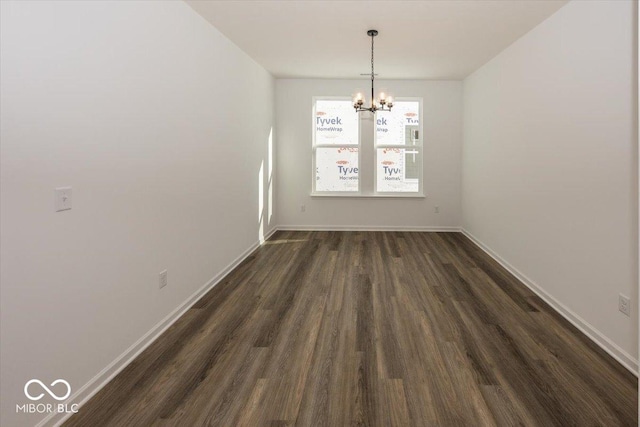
(398, 170)
(337, 169)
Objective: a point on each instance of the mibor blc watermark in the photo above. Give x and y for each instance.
(35, 390)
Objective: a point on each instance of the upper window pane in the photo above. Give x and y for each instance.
(336, 123)
(400, 125)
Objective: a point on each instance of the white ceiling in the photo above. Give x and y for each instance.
(444, 39)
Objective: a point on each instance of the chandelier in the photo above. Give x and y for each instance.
(383, 103)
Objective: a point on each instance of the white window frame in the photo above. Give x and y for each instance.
(369, 189)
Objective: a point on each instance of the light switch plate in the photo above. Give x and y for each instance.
(63, 198)
(163, 279)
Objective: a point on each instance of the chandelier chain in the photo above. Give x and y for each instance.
(372, 73)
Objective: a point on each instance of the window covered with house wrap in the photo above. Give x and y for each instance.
(399, 149)
(336, 146)
(388, 162)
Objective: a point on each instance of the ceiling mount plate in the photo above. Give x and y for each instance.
(372, 33)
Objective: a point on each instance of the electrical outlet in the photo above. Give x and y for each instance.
(624, 304)
(303, 208)
(163, 279)
(437, 209)
(63, 199)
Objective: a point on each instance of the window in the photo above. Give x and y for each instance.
(336, 146)
(398, 149)
(385, 159)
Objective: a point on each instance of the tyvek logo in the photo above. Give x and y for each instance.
(47, 389)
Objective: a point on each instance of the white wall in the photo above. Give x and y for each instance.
(550, 164)
(442, 127)
(161, 126)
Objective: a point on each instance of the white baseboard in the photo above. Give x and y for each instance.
(83, 394)
(624, 358)
(367, 228)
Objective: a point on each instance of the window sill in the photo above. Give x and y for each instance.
(370, 196)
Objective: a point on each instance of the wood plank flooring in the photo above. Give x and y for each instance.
(368, 329)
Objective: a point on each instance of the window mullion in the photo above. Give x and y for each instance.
(367, 156)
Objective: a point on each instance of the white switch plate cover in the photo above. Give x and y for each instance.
(63, 198)
(163, 279)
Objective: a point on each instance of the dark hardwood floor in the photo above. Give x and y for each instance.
(372, 329)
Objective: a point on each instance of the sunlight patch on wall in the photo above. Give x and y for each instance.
(261, 202)
(270, 201)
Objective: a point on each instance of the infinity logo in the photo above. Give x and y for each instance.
(52, 394)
